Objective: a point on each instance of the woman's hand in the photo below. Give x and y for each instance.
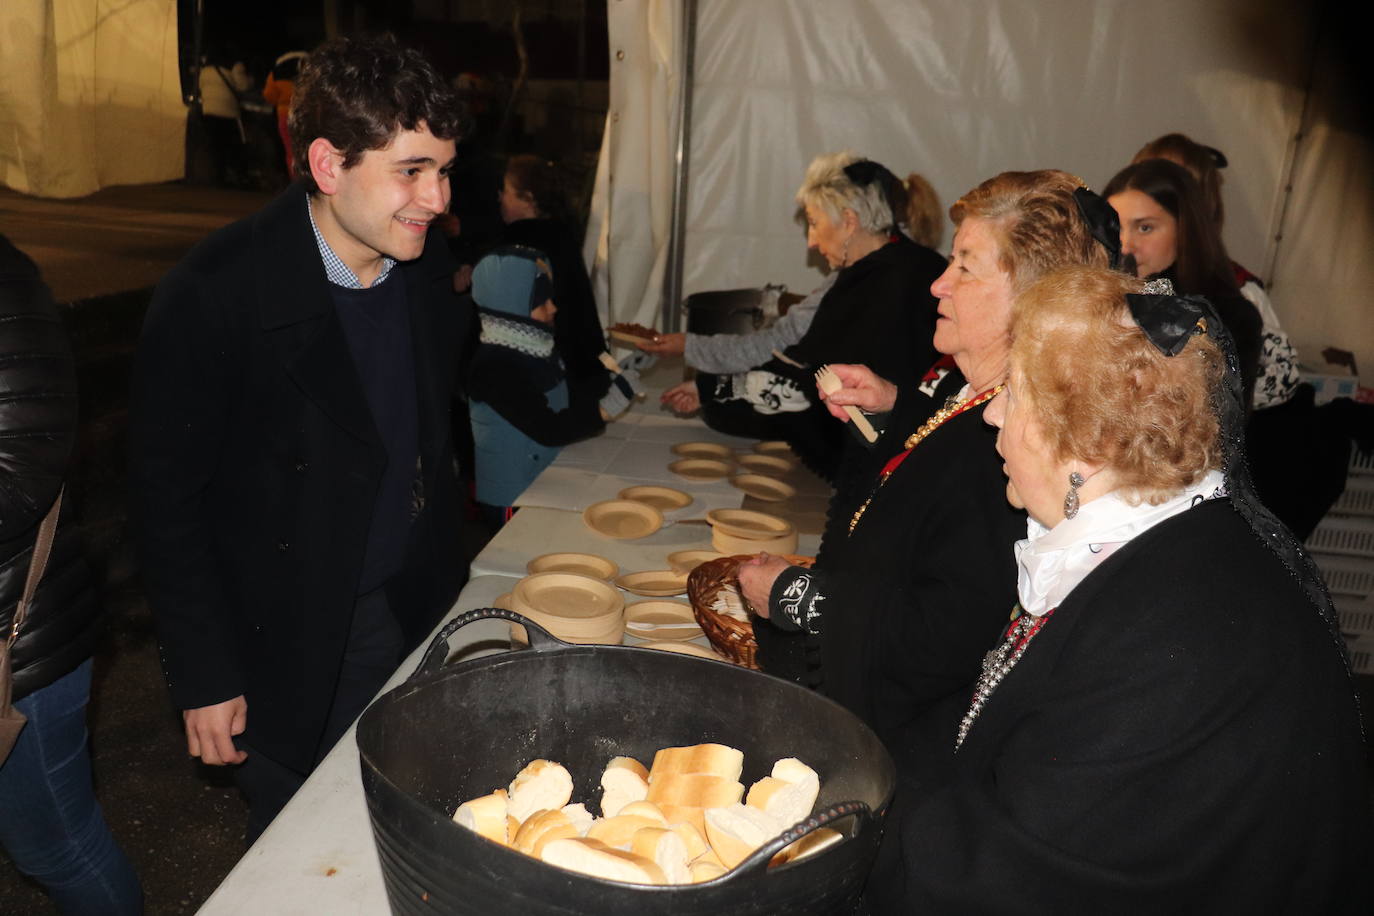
(682, 398)
(756, 578)
(664, 344)
(863, 388)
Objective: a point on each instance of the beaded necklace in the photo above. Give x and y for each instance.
(951, 410)
(997, 664)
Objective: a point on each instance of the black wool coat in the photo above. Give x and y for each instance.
(254, 463)
(1180, 737)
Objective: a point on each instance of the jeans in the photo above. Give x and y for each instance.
(50, 822)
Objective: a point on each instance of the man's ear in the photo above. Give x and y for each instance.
(326, 164)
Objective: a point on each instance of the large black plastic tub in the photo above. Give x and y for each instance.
(452, 733)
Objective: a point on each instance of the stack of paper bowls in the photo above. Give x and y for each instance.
(577, 609)
(735, 531)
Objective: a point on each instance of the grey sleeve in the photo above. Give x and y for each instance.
(726, 353)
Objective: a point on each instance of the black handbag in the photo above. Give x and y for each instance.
(12, 720)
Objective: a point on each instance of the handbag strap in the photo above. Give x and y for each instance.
(38, 562)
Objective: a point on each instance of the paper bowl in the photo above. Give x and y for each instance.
(583, 603)
(746, 523)
(654, 583)
(582, 564)
(773, 447)
(664, 499)
(732, 545)
(684, 561)
(768, 489)
(701, 468)
(684, 648)
(660, 620)
(704, 450)
(622, 519)
(765, 464)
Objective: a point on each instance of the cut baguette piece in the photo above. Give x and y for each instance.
(486, 816)
(579, 815)
(542, 785)
(714, 759)
(685, 814)
(738, 830)
(542, 827)
(705, 871)
(790, 769)
(692, 838)
(592, 857)
(623, 781)
(618, 831)
(645, 809)
(809, 845)
(697, 790)
(789, 802)
(667, 851)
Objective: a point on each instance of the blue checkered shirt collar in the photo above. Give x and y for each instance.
(334, 268)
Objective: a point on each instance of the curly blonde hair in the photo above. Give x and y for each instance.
(1036, 221)
(1101, 391)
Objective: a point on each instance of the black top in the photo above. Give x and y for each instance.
(377, 326)
(1181, 736)
(912, 599)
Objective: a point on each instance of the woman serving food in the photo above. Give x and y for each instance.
(1166, 724)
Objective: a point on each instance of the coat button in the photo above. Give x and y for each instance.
(283, 545)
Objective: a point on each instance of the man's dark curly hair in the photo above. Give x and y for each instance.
(358, 93)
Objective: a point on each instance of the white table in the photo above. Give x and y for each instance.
(318, 855)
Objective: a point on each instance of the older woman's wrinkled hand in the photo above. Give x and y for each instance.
(756, 578)
(674, 344)
(682, 398)
(863, 388)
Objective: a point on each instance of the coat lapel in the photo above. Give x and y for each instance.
(296, 313)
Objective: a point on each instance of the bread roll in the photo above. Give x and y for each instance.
(789, 802)
(738, 830)
(705, 871)
(486, 816)
(693, 838)
(579, 815)
(591, 857)
(697, 790)
(645, 809)
(623, 781)
(685, 814)
(540, 828)
(667, 851)
(790, 769)
(713, 759)
(542, 784)
(618, 831)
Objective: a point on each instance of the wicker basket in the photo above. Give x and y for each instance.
(733, 639)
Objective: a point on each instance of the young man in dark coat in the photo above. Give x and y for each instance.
(296, 507)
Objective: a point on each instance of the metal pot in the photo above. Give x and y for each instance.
(452, 733)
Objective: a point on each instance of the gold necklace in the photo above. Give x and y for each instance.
(951, 409)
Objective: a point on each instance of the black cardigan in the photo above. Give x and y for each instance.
(38, 420)
(1180, 737)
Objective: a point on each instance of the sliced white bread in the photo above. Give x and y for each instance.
(618, 831)
(581, 818)
(789, 802)
(667, 851)
(591, 857)
(693, 838)
(623, 781)
(542, 827)
(486, 816)
(645, 809)
(542, 785)
(715, 759)
(809, 845)
(738, 830)
(702, 870)
(697, 790)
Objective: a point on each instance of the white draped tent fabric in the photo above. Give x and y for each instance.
(90, 95)
(961, 91)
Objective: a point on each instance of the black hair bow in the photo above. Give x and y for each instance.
(863, 172)
(1169, 321)
(1102, 222)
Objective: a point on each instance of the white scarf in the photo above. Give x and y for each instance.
(1052, 561)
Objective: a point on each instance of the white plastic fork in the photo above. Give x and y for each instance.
(830, 383)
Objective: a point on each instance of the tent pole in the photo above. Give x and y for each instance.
(672, 278)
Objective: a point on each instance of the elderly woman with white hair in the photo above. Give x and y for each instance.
(879, 312)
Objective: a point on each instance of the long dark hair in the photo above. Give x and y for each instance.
(542, 181)
(1201, 265)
